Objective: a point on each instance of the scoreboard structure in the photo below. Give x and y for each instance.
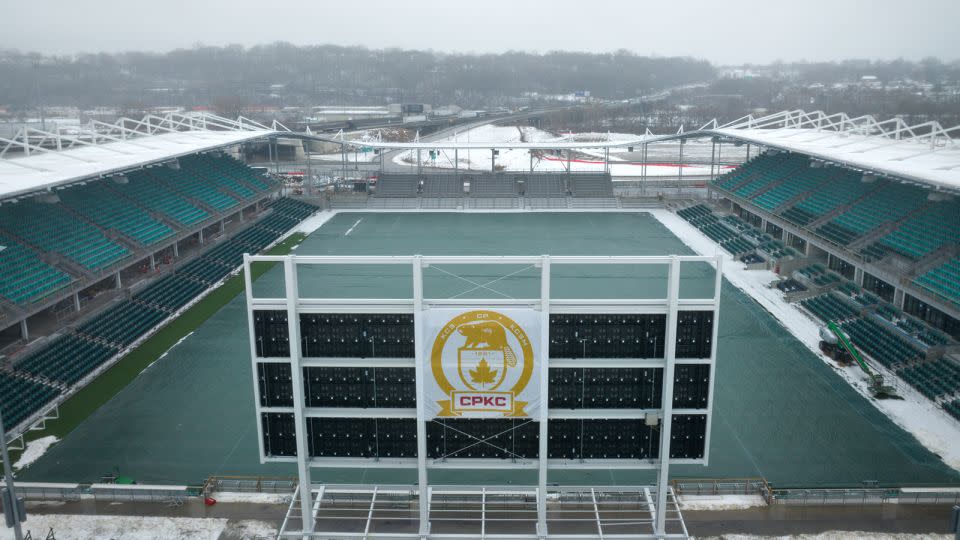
(535, 382)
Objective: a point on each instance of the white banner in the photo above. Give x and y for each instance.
(482, 363)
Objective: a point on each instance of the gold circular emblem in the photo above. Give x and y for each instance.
(484, 330)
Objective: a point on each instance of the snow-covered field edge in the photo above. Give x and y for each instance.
(919, 416)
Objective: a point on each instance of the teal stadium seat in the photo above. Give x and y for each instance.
(926, 231)
(146, 191)
(19, 398)
(51, 227)
(943, 281)
(889, 202)
(24, 277)
(842, 187)
(102, 205)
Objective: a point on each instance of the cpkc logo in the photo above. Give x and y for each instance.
(494, 363)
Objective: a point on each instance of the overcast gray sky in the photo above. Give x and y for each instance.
(722, 31)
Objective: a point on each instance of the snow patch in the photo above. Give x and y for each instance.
(916, 414)
(35, 449)
(513, 159)
(250, 529)
(720, 502)
(83, 527)
(252, 498)
(314, 222)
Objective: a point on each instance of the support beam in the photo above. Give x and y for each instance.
(669, 351)
(299, 401)
(544, 384)
(201, 236)
(153, 263)
(119, 283)
(76, 301)
(176, 250)
(24, 331)
(596, 512)
(418, 332)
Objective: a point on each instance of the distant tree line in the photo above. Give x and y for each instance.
(289, 75)
(232, 79)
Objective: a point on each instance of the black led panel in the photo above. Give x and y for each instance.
(362, 437)
(360, 387)
(271, 337)
(688, 434)
(279, 438)
(691, 386)
(482, 438)
(347, 335)
(276, 386)
(607, 336)
(602, 439)
(694, 334)
(605, 388)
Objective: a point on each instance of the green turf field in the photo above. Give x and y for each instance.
(780, 412)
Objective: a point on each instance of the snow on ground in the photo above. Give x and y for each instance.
(313, 222)
(916, 414)
(720, 502)
(83, 527)
(519, 159)
(35, 449)
(833, 535)
(361, 157)
(249, 529)
(252, 498)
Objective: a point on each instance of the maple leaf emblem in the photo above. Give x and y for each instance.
(483, 374)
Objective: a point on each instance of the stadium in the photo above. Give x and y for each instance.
(784, 326)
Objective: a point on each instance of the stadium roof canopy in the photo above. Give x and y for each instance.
(925, 153)
(63, 157)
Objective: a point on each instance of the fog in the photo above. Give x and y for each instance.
(727, 32)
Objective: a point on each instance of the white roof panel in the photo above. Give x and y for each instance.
(46, 170)
(909, 159)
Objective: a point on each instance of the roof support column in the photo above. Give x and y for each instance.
(680, 171)
(713, 156)
(643, 170)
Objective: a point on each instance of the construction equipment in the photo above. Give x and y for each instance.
(835, 344)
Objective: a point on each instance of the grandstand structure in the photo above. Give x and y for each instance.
(493, 190)
(862, 220)
(109, 231)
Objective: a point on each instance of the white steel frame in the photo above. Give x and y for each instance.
(418, 305)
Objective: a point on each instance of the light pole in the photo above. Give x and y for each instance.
(8, 476)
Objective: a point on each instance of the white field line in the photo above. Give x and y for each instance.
(350, 230)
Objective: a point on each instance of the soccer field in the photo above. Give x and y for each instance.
(780, 412)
